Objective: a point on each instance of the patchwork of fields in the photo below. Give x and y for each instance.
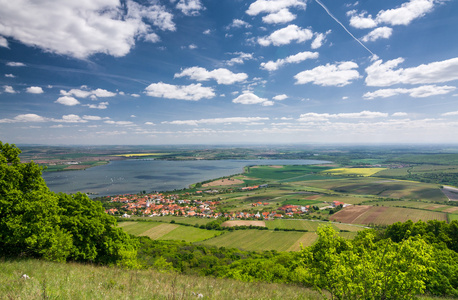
(371, 199)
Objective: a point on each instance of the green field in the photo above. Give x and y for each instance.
(383, 188)
(284, 173)
(253, 240)
(167, 231)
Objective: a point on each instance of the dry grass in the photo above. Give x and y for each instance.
(243, 223)
(76, 281)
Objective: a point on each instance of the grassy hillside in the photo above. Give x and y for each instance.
(77, 281)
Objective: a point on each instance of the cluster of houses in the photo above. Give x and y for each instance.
(153, 205)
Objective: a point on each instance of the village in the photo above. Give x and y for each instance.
(158, 204)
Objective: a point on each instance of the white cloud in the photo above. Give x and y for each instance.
(10, 76)
(399, 114)
(250, 98)
(339, 74)
(81, 28)
(101, 105)
(311, 117)
(84, 93)
(272, 6)
(207, 32)
(222, 76)
(193, 92)
(121, 123)
(237, 23)
(3, 42)
(286, 35)
(92, 118)
(135, 95)
(418, 92)
(406, 13)
(9, 89)
(386, 74)
(150, 123)
(190, 7)
(231, 120)
(240, 59)
(101, 93)
(296, 58)
(451, 113)
(402, 15)
(15, 64)
(67, 100)
(34, 90)
(281, 16)
(361, 21)
(378, 33)
(25, 118)
(280, 97)
(319, 39)
(71, 119)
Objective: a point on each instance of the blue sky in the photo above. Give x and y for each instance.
(228, 71)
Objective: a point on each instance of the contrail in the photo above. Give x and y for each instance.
(335, 19)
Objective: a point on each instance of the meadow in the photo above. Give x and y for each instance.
(49, 280)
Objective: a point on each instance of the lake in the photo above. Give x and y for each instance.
(136, 175)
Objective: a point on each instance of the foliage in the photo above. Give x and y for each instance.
(365, 268)
(36, 222)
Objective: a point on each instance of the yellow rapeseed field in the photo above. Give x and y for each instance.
(354, 171)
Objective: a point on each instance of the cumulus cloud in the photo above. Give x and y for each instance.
(15, 64)
(221, 75)
(82, 28)
(272, 6)
(101, 105)
(310, 117)
(286, 35)
(292, 59)
(280, 97)
(378, 33)
(237, 23)
(70, 119)
(67, 100)
(34, 90)
(190, 7)
(121, 123)
(10, 76)
(450, 113)
(406, 13)
(240, 59)
(281, 16)
(399, 114)
(418, 92)
(319, 39)
(84, 93)
(9, 89)
(386, 73)
(402, 15)
(360, 20)
(250, 98)
(193, 92)
(339, 74)
(25, 118)
(231, 120)
(3, 42)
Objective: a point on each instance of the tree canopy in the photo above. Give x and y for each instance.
(39, 223)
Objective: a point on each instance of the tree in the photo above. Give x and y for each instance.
(36, 222)
(367, 269)
(29, 212)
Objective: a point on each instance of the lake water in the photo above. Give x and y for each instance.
(135, 175)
